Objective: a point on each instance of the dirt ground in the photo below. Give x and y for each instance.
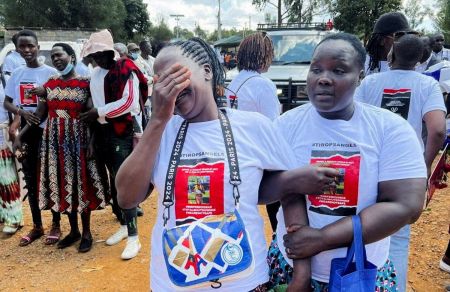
(45, 268)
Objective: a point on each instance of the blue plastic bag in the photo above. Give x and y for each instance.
(358, 276)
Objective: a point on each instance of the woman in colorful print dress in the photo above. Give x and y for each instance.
(70, 180)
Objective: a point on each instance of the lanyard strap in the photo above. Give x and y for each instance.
(230, 147)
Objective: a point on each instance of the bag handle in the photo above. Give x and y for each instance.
(357, 249)
(233, 101)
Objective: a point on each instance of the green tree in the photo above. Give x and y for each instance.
(137, 20)
(291, 10)
(124, 18)
(212, 37)
(161, 32)
(443, 19)
(416, 12)
(199, 32)
(358, 17)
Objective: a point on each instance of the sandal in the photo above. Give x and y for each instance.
(68, 240)
(34, 234)
(53, 236)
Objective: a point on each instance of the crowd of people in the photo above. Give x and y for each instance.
(363, 146)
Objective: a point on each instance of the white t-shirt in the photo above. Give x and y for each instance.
(23, 80)
(257, 94)
(129, 103)
(258, 148)
(12, 61)
(82, 69)
(443, 55)
(383, 66)
(405, 92)
(373, 146)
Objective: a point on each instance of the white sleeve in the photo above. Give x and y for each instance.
(434, 99)
(128, 102)
(8, 66)
(10, 89)
(268, 102)
(401, 155)
(276, 154)
(360, 92)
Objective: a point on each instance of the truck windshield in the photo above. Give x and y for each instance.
(294, 49)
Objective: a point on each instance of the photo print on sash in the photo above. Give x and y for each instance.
(397, 101)
(341, 199)
(196, 180)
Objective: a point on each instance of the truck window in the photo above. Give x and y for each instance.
(294, 48)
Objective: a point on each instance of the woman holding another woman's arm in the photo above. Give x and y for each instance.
(383, 175)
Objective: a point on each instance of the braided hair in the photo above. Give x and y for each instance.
(201, 53)
(69, 50)
(386, 24)
(255, 52)
(375, 50)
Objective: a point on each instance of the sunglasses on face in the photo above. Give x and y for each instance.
(399, 34)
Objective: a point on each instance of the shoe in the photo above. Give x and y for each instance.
(85, 244)
(139, 211)
(10, 229)
(117, 237)
(68, 240)
(132, 249)
(444, 264)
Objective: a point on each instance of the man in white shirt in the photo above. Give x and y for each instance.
(428, 59)
(146, 55)
(115, 88)
(415, 97)
(21, 100)
(441, 53)
(12, 61)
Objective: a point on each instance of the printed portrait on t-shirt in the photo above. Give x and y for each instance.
(26, 97)
(340, 198)
(397, 101)
(199, 189)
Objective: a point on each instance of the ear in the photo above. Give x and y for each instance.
(361, 76)
(207, 72)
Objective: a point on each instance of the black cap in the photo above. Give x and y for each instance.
(391, 22)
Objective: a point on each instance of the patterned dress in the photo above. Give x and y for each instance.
(68, 180)
(10, 203)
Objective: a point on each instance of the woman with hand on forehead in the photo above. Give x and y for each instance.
(228, 152)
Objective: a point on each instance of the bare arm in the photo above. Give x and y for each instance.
(133, 180)
(435, 123)
(399, 203)
(29, 116)
(295, 215)
(40, 114)
(311, 179)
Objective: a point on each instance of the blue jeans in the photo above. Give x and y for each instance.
(398, 253)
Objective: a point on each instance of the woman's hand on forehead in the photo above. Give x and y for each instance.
(168, 85)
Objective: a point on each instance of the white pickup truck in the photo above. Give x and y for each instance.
(294, 44)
